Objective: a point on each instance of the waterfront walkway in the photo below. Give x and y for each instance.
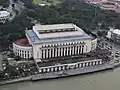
(71, 72)
(15, 80)
(64, 73)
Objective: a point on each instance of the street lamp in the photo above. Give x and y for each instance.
(17, 68)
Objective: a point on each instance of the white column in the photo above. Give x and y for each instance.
(51, 68)
(80, 65)
(40, 70)
(64, 50)
(83, 64)
(63, 67)
(75, 50)
(58, 52)
(93, 63)
(61, 51)
(59, 67)
(55, 68)
(100, 62)
(67, 51)
(96, 62)
(23, 54)
(44, 70)
(40, 54)
(49, 53)
(76, 65)
(53, 52)
(43, 53)
(86, 63)
(90, 64)
(48, 69)
(70, 50)
(78, 49)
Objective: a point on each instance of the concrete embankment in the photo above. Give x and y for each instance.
(15, 80)
(66, 73)
(72, 72)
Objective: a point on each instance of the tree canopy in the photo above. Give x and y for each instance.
(83, 15)
(4, 3)
(75, 11)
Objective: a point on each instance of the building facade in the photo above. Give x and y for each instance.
(4, 16)
(54, 41)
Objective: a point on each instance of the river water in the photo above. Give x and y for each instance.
(105, 80)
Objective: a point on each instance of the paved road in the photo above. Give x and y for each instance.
(18, 7)
(0, 60)
(13, 14)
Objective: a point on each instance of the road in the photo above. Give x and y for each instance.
(18, 6)
(13, 14)
(106, 44)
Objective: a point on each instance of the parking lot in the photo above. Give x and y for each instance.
(111, 46)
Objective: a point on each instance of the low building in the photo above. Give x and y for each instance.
(114, 34)
(4, 16)
(45, 42)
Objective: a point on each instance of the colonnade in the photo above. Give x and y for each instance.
(69, 66)
(62, 51)
(22, 51)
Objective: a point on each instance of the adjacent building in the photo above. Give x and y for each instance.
(4, 16)
(114, 34)
(53, 41)
(113, 5)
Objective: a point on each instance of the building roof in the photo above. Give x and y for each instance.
(36, 37)
(60, 34)
(22, 42)
(4, 13)
(32, 36)
(53, 27)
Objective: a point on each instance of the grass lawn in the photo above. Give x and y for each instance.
(46, 1)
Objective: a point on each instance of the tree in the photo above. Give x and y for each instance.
(4, 3)
(17, 58)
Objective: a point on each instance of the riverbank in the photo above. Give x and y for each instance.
(15, 80)
(67, 73)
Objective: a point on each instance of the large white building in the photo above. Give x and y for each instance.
(4, 16)
(53, 41)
